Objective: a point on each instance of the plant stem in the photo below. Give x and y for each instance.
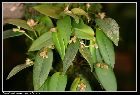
(35, 34)
(29, 36)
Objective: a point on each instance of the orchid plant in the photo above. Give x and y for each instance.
(82, 37)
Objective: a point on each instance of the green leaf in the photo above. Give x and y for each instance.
(41, 29)
(45, 23)
(78, 84)
(56, 42)
(98, 56)
(78, 11)
(19, 22)
(57, 82)
(44, 87)
(87, 55)
(62, 44)
(93, 51)
(64, 27)
(106, 48)
(48, 10)
(44, 40)
(78, 25)
(70, 55)
(84, 81)
(95, 8)
(83, 31)
(10, 33)
(18, 68)
(110, 28)
(41, 69)
(59, 44)
(106, 78)
(75, 17)
(75, 84)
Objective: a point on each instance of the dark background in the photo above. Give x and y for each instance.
(14, 50)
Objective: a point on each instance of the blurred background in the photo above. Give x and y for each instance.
(14, 49)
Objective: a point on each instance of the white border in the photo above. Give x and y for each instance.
(36, 92)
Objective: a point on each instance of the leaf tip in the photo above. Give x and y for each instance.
(7, 77)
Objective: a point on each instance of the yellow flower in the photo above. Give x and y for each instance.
(98, 65)
(88, 5)
(73, 39)
(102, 65)
(105, 66)
(28, 61)
(82, 45)
(82, 86)
(18, 30)
(31, 22)
(44, 53)
(102, 15)
(95, 45)
(53, 30)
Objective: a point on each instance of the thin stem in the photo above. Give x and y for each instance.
(35, 34)
(67, 6)
(29, 36)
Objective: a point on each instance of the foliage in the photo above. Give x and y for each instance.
(70, 30)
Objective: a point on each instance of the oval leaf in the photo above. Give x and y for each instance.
(57, 82)
(70, 55)
(110, 28)
(44, 40)
(10, 33)
(48, 10)
(41, 69)
(106, 48)
(87, 55)
(83, 31)
(19, 22)
(78, 11)
(64, 27)
(18, 68)
(106, 78)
